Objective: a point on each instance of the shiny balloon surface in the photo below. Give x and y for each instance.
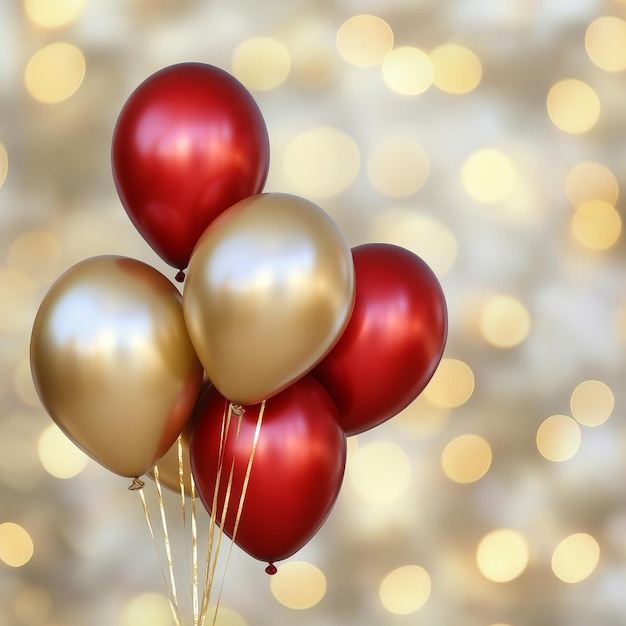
(393, 342)
(296, 473)
(269, 290)
(189, 142)
(112, 361)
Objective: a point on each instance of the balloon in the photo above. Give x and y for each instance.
(393, 342)
(269, 290)
(189, 142)
(296, 472)
(112, 361)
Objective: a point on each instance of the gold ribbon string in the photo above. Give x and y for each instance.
(181, 484)
(206, 590)
(137, 485)
(194, 550)
(242, 497)
(166, 538)
(239, 412)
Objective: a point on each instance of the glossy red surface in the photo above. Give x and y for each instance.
(189, 142)
(394, 339)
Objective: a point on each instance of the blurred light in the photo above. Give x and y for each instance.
(321, 162)
(502, 555)
(364, 40)
(466, 459)
(558, 438)
(592, 403)
(32, 606)
(421, 419)
(261, 63)
(575, 558)
(298, 585)
(605, 42)
(456, 69)
(405, 589)
(4, 164)
(53, 14)
(408, 71)
(573, 106)
(37, 255)
(591, 181)
(380, 472)
(16, 546)
(146, 609)
(19, 301)
(226, 617)
(58, 455)
(398, 167)
(596, 225)
(55, 72)
(505, 321)
(429, 239)
(488, 175)
(452, 384)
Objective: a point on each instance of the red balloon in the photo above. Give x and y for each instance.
(189, 142)
(393, 342)
(297, 468)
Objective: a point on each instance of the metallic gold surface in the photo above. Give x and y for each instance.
(112, 361)
(269, 290)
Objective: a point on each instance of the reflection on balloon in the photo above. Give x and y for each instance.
(393, 342)
(296, 471)
(112, 361)
(189, 142)
(269, 290)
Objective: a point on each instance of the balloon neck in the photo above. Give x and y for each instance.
(271, 569)
(180, 277)
(136, 485)
(237, 410)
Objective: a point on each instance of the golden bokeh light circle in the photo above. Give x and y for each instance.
(261, 63)
(408, 71)
(502, 555)
(575, 558)
(55, 72)
(558, 438)
(452, 384)
(573, 106)
(405, 589)
(298, 585)
(596, 225)
(456, 69)
(466, 459)
(364, 40)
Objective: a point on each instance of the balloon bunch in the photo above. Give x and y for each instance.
(303, 340)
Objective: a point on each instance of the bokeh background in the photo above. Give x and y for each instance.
(489, 138)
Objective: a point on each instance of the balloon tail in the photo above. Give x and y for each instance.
(171, 594)
(136, 485)
(271, 569)
(180, 277)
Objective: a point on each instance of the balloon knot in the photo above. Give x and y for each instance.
(271, 569)
(237, 410)
(180, 277)
(136, 485)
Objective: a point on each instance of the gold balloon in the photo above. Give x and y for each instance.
(112, 362)
(269, 290)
